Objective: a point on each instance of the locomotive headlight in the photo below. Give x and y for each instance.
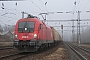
(15, 36)
(35, 35)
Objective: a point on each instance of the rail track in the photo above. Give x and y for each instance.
(21, 55)
(77, 53)
(83, 48)
(16, 56)
(6, 47)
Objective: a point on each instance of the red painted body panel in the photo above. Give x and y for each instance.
(45, 33)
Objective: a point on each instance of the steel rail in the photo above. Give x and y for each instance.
(5, 47)
(82, 48)
(18, 58)
(80, 55)
(6, 56)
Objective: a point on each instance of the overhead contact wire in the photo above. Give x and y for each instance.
(37, 6)
(43, 6)
(85, 5)
(78, 5)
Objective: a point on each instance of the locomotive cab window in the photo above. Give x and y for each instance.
(26, 26)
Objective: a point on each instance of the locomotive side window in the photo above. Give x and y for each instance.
(40, 26)
(26, 26)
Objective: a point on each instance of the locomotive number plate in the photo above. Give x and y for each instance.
(24, 36)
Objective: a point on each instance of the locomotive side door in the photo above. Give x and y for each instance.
(40, 32)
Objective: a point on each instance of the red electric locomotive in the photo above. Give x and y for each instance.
(31, 33)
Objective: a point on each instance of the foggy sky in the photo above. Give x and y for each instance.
(51, 6)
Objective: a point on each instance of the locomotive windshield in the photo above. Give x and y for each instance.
(26, 26)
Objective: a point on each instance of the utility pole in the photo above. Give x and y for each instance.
(62, 31)
(78, 28)
(73, 31)
(22, 14)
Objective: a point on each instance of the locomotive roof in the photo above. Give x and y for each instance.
(29, 19)
(33, 19)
